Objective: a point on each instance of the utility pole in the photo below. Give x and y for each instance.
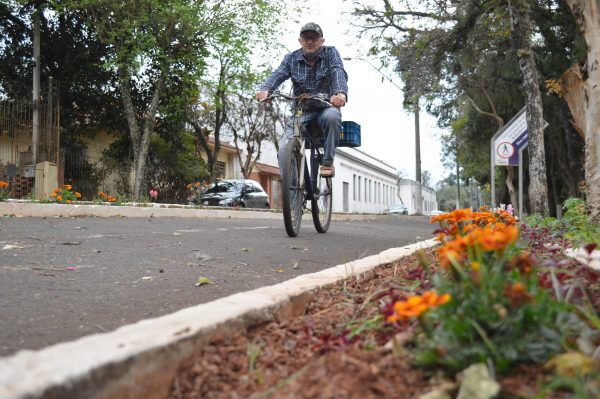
(419, 199)
(457, 179)
(50, 114)
(36, 87)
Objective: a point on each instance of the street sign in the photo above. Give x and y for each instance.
(507, 147)
(510, 139)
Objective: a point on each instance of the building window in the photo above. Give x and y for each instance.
(359, 187)
(354, 187)
(220, 170)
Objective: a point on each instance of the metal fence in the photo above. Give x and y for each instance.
(16, 138)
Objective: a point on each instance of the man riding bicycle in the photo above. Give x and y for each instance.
(314, 69)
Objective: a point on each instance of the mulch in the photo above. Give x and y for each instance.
(312, 356)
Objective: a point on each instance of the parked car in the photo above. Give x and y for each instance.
(235, 192)
(436, 212)
(400, 209)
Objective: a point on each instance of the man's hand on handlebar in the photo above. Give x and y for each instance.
(338, 100)
(262, 95)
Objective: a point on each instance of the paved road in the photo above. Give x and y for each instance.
(63, 278)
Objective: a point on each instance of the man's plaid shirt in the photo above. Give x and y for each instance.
(327, 75)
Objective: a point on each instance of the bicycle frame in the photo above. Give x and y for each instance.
(310, 177)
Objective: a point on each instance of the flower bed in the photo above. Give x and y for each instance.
(415, 326)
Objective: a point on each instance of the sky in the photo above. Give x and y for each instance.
(387, 130)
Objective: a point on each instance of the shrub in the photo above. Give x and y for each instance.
(4, 191)
(497, 312)
(102, 198)
(65, 195)
(575, 226)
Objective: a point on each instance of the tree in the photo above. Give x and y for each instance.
(455, 54)
(250, 123)
(580, 88)
(521, 32)
(230, 49)
(151, 42)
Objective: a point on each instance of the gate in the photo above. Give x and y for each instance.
(16, 130)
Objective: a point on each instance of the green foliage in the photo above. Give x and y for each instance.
(576, 225)
(480, 325)
(4, 191)
(65, 195)
(457, 57)
(173, 162)
(497, 313)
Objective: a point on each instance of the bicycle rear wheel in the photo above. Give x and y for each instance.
(292, 194)
(322, 203)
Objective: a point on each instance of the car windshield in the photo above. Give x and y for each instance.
(224, 187)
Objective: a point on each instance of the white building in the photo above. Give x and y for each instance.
(362, 183)
(408, 193)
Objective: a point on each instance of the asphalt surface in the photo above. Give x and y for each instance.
(63, 278)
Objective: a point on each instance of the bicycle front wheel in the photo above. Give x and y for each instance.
(292, 193)
(321, 204)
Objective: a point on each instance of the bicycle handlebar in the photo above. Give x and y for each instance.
(321, 97)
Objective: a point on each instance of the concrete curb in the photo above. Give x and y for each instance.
(141, 359)
(25, 209)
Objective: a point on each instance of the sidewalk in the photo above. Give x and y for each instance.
(21, 208)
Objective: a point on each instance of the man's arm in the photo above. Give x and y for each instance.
(339, 79)
(280, 75)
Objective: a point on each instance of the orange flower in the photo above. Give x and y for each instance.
(59, 198)
(197, 184)
(69, 201)
(461, 215)
(53, 195)
(112, 199)
(68, 187)
(415, 306)
(455, 249)
(498, 237)
(77, 194)
(3, 184)
(189, 186)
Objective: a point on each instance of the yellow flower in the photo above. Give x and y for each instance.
(475, 266)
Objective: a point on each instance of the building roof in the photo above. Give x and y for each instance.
(273, 170)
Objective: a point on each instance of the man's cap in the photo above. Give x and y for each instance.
(311, 26)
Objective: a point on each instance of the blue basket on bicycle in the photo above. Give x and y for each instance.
(350, 136)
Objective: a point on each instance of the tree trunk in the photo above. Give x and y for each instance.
(140, 139)
(419, 196)
(583, 98)
(521, 31)
(510, 175)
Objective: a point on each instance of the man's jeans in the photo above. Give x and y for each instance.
(330, 122)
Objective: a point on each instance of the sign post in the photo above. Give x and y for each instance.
(507, 147)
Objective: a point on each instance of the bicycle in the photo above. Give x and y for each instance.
(299, 182)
